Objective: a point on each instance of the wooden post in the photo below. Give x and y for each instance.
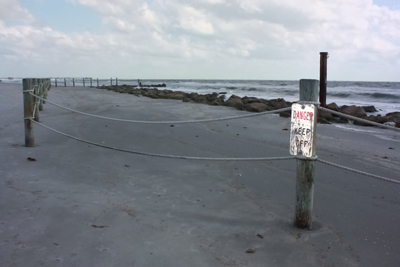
(322, 78)
(41, 93)
(305, 166)
(91, 82)
(111, 81)
(28, 112)
(116, 81)
(65, 82)
(73, 82)
(45, 89)
(55, 80)
(97, 82)
(35, 100)
(83, 82)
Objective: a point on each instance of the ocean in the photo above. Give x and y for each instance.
(385, 96)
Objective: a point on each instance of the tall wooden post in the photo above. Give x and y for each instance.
(45, 86)
(73, 82)
(36, 100)
(83, 82)
(91, 82)
(111, 81)
(323, 78)
(28, 112)
(55, 80)
(41, 93)
(65, 82)
(305, 166)
(97, 82)
(116, 81)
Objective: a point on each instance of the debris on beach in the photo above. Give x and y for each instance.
(31, 159)
(260, 236)
(250, 250)
(99, 226)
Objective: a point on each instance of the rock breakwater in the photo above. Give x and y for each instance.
(254, 104)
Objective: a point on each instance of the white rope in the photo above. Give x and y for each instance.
(161, 155)
(358, 119)
(359, 172)
(167, 122)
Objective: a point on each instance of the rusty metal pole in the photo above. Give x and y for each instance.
(28, 112)
(323, 78)
(305, 166)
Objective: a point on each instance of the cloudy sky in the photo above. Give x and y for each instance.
(200, 39)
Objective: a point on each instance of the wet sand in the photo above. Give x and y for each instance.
(81, 205)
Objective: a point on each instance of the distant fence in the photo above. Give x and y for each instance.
(91, 82)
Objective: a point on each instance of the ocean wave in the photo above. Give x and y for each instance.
(381, 95)
(339, 94)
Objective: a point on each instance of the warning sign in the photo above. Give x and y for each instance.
(301, 133)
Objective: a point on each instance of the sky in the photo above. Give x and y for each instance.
(200, 39)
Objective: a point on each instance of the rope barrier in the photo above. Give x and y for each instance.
(358, 119)
(167, 122)
(161, 155)
(359, 172)
(210, 120)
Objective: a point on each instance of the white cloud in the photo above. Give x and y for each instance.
(11, 11)
(179, 34)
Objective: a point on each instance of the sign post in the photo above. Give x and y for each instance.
(302, 144)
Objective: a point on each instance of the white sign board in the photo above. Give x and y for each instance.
(301, 131)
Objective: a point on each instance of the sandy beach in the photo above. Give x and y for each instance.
(82, 205)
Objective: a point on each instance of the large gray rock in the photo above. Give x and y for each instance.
(395, 116)
(235, 102)
(326, 115)
(276, 103)
(333, 106)
(377, 119)
(369, 108)
(256, 107)
(353, 111)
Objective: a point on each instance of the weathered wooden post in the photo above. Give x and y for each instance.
(97, 82)
(116, 81)
(322, 78)
(41, 93)
(55, 80)
(44, 81)
(73, 82)
(35, 88)
(91, 82)
(111, 81)
(83, 82)
(65, 82)
(305, 164)
(28, 112)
